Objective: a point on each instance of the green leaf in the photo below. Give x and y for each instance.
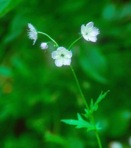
(54, 138)
(80, 123)
(94, 106)
(5, 71)
(101, 97)
(3, 5)
(110, 12)
(125, 11)
(93, 63)
(98, 127)
(119, 123)
(15, 30)
(91, 104)
(7, 5)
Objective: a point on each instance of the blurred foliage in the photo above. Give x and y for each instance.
(35, 95)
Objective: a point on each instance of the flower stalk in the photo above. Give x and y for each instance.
(98, 139)
(79, 88)
(62, 57)
(56, 44)
(91, 118)
(74, 42)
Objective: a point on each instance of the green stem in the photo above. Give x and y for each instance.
(74, 42)
(96, 132)
(98, 139)
(49, 38)
(79, 88)
(84, 100)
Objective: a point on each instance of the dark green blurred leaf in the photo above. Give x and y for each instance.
(5, 71)
(20, 66)
(110, 12)
(94, 64)
(7, 5)
(119, 123)
(21, 142)
(49, 137)
(126, 11)
(16, 27)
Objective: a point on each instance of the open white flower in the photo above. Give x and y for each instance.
(62, 56)
(32, 33)
(43, 45)
(89, 32)
(115, 144)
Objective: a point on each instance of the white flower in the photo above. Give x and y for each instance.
(32, 33)
(43, 45)
(62, 56)
(89, 32)
(115, 144)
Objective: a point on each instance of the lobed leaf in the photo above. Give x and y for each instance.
(101, 97)
(80, 123)
(94, 106)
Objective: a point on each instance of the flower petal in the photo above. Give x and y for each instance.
(89, 25)
(83, 29)
(58, 62)
(61, 48)
(32, 33)
(54, 55)
(95, 31)
(92, 38)
(86, 37)
(69, 54)
(31, 27)
(67, 61)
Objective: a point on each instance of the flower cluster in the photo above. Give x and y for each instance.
(62, 56)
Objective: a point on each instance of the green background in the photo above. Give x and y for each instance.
(35, 94)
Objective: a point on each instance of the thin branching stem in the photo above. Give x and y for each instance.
(85, 103)
(56, 44)
(98, 139)
(79, 88)
(74, 42)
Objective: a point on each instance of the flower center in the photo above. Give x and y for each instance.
(86, 33)
(62, 55)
